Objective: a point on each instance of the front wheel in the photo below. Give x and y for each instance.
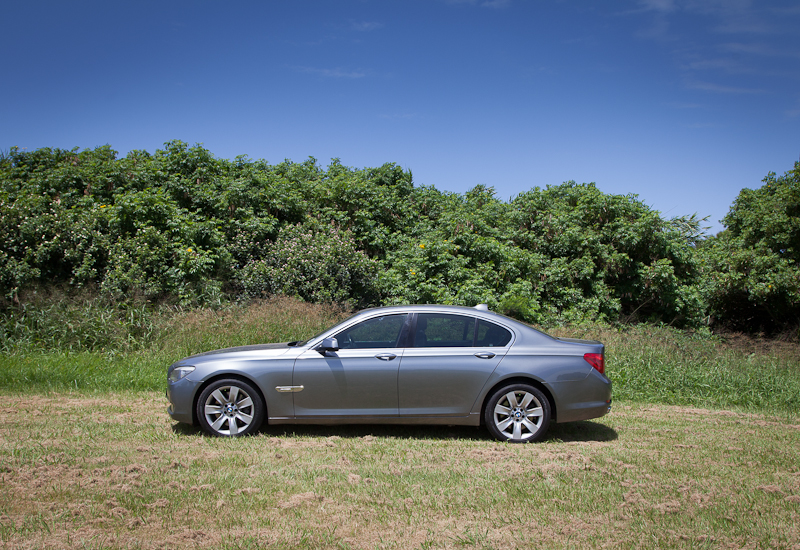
(518, 413)
(230, 408)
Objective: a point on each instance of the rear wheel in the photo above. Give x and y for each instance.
(230, 408)
(518, 413)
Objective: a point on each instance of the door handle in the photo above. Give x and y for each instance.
(484, 355)
(385, 356)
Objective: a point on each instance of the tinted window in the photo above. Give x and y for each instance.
(491, 335)
(379, 332)
(438, 330)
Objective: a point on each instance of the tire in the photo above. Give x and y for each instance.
(517, 413)
(230, 408)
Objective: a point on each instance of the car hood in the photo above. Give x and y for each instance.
(256, 347)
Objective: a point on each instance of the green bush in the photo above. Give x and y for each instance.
(752, 269)
(181, 226)
(312, 262)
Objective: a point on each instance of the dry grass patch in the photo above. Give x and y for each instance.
(114, 472)
(279, 319)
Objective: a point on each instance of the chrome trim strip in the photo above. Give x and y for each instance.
(288, 389)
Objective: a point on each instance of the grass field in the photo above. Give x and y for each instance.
(112, 471)
(701, 450)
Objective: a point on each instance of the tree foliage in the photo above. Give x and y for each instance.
(752, 269)
(185, 226)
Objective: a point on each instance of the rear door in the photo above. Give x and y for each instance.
(449, 360)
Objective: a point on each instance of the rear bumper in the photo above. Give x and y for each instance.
(589, 398)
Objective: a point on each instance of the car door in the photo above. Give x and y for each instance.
(360, 379)
(448, 361)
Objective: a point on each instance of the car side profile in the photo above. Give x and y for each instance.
(399, 365)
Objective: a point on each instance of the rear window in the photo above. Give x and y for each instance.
(490, 335)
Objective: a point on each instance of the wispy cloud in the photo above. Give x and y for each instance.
(795, 112)
(680, 105)
(741, 25)
(733, 47)
(332, 73)
(365, 26)
(659, 27)
(725, 16)
(496, 4)
(717, 88)
(398, 116)
(730, 16)
(663, 6)
(658, 30)
(790, 10)
(482, 3)
(758, 49)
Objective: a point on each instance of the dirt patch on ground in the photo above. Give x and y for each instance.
(786, 344)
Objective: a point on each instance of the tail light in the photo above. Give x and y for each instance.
(597, 361)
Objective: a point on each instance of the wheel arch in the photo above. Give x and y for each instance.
(519, 380)
(227, 376)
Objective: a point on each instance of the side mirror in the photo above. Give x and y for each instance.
(328, 344)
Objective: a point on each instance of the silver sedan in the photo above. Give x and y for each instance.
(399, 365)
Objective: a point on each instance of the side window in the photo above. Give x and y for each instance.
(439, 330)
(378, 332)
(491, 335)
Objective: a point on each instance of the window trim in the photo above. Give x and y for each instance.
(401, 339)
(412, 330)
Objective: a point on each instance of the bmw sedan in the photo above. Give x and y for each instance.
(399, 365)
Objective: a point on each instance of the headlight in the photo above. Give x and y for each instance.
(178, 372)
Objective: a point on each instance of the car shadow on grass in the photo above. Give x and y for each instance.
(585, 430)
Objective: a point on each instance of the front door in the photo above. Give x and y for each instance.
(358, 380)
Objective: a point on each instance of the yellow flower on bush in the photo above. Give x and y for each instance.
(422, 246)
(189, 249)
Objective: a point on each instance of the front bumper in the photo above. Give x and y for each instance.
(180, 395)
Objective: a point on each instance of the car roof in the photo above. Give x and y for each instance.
(480, 310)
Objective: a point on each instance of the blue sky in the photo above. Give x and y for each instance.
(682, 102)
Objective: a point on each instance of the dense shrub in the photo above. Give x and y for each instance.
(183, 227)
(317, 264)
(752, 269)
